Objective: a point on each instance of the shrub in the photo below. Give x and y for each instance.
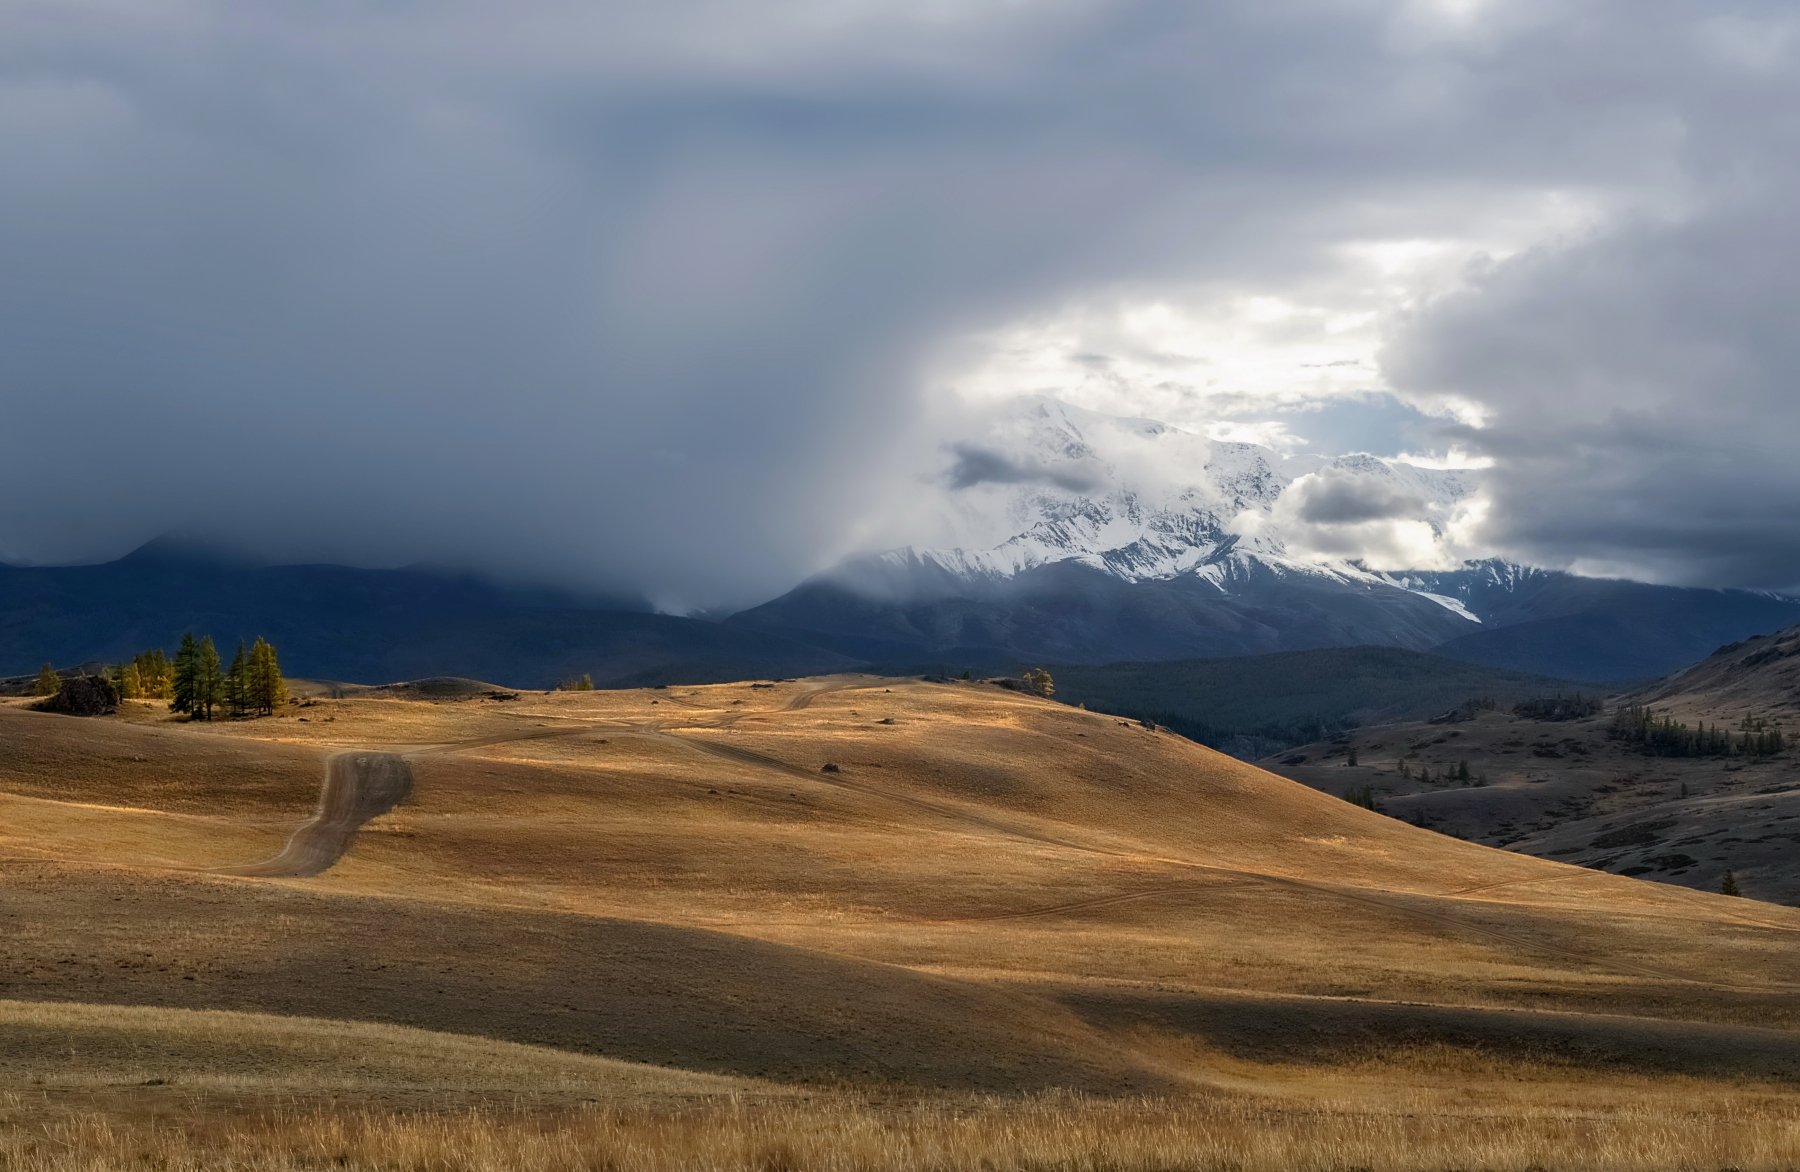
(84, 696)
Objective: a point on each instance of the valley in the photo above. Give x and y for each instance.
(1570, 790)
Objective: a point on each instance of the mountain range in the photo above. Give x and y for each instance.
(1094, 539)
(1066, 537)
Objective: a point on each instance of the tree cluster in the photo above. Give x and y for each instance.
(1664, 736)
(1038, 682)
(200, 684)
(1458, 774)
(149, 676)
(1559, 707)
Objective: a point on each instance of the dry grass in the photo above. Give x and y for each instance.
(1035, 1135)
(658, 900)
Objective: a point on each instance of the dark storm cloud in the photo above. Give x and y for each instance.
(978, 465)
(1340, 497)
(638, 295)
(1640, 381)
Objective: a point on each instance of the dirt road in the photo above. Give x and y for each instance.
(359, 785)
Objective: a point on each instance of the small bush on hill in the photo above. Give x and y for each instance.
(84, 696)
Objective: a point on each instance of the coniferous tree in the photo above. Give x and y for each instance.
(209, 679)
(1730, 885)
(48, 682)
(1351, 760)
(237, 682)
(181, 676)
(125, 677)
(156, 678)
(267, 690)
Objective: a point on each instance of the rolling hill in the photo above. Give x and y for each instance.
(839, 907)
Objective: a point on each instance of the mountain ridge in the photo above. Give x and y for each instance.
(1201, 548)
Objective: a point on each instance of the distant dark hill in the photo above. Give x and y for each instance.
(1070, 613)
(887, 614)
(1560, 785)
(335, 622)
(1608, 630)
(902, 609)
(1253, 705)
(1756, 677)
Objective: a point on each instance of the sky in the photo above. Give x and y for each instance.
(681, 298)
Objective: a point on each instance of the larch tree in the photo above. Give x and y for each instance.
(155, 677)
(182, 690)
(237, 682)
(209, 679)
(126, 678)
(267, 690)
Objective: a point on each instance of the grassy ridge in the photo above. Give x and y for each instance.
(1254, 705)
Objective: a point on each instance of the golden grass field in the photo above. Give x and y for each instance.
(648, 930)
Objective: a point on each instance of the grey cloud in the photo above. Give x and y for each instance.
(1640, 384)
(638, 295)
(1339, 497)
(977, 465)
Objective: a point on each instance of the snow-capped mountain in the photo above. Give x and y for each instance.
(1139, 500)
(1063, 535)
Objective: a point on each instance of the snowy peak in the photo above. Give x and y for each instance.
(1045, 482)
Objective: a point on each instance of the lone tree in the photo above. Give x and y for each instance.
(1038, 680)
(1729, 886)
(48, 682)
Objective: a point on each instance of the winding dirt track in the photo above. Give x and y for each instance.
(358, 786)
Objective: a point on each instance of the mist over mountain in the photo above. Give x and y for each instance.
(1093, 539)
(1084, 539)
